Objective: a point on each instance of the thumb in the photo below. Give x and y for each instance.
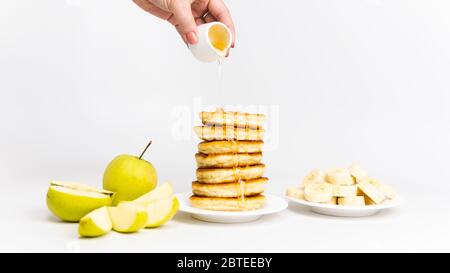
(186, 25)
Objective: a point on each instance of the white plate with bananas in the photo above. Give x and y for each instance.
(273, 204)
(345, 192)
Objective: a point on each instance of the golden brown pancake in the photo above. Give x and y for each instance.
(234, 119)
(228, 204)
(227, 160)
(234, 189)
(224, 175)
(225, 147)
(228, 133)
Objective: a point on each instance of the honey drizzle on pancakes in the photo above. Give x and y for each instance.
(237, 178)
(233, 140)
(240, 144)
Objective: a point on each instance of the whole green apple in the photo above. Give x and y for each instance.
(129, 177)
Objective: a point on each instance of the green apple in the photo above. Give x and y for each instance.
(128, 218)
(71, 201)
(160, 211)
(129, 177)
(95, 223)
(161, 192)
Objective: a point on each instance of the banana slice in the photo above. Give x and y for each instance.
(388, 191)
(314, 176)
(339, 177)
(352, 201)
(345, 191)
(368, 201)
(357, 172)
(318, 192)
(295, 192)
(371, 191)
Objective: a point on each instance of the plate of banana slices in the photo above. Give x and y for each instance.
(345, 192)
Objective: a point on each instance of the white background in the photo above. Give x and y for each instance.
(354, 81)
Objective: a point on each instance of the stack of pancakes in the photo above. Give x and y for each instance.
(230, 172)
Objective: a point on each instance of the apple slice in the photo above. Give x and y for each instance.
(161, 211)
(71, 201)
(95, 223)
(128, 218)
(161, 192)
(78, 186)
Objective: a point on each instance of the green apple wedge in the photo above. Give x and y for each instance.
(71, 201)
(160, 203)
(129, 177)
(95, 223)
(161, 192)
(127, 218)
(161, 211)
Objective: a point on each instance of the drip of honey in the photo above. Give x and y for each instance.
(220, 75)
(231, 137)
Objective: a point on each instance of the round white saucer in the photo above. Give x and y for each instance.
(273, 204)
(346, 211)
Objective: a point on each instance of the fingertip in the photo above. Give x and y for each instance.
(233, 33)
(191, 38)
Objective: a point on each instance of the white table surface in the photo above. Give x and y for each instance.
(27, 225)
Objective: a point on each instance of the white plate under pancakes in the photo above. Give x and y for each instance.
(274, 204)
(346, 211)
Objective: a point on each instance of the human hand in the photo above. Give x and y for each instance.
(185, 15)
